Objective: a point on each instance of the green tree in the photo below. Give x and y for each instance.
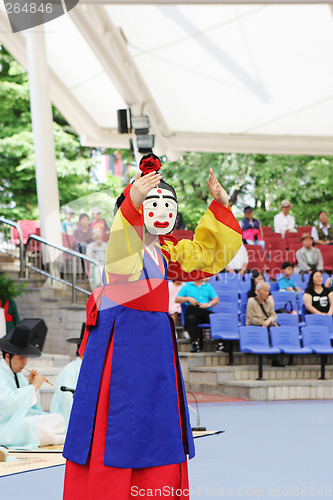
(259, 180)
(74, 163)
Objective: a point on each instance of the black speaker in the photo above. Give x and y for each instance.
(37, 331)
(122, 121)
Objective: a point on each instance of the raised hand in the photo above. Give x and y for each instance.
(141, 187)
(216, 190)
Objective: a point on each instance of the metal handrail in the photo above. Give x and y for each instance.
(21, 245)
(65, 250)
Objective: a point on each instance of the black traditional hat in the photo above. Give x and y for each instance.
(17, 342)
(77, 340)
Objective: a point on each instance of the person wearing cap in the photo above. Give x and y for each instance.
(98, 222)
(130, 423)
(286, 282)
(252, 232)
(62, 400)
(283, 221)
(322, 233)
(23, 424)
(309, 259)
(68, 226)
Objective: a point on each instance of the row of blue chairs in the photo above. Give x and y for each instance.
(224, 326)
(285, 340)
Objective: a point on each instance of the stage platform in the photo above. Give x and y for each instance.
(268, 450)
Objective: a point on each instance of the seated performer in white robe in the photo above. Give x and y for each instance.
(62, 400)
(23, 424)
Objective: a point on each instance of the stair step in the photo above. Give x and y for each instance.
(218, 375)
(48, 360)
(270, 390)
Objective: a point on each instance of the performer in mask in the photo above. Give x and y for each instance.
(129, 428)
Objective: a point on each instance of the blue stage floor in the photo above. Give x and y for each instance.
(268, 450)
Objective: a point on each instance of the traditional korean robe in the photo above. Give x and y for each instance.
(62, 401)
(146, 416)
(18, 406)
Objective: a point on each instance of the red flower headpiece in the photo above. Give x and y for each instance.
(149, 163)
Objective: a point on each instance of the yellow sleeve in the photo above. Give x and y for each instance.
(125, 249)
(216, 241)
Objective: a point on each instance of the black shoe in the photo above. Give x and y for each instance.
(277, 363)
(220, 347)
(195, 347)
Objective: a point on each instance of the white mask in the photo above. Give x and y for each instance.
(160, 211)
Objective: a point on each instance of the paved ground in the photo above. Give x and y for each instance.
(268, 450)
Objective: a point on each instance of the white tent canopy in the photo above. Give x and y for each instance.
(211, 77)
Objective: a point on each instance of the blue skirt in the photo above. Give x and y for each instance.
(143, 428)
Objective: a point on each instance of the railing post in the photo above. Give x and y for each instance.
(74, 291)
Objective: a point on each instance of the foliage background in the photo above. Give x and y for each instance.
(261, 181)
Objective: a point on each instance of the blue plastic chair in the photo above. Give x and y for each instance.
(254, 339)
(243, 297)
(228, 277)
(306, 277)
(319, 321)
(284, 319)
(226, 307)
(286, 338)
(226, 286)
(274, 286)
(281, 298)
(243, 307)
(318, 339)
(242, 319)
(227, 295)
(244, 286)
(225, 326)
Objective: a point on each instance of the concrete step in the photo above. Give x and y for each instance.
(46, 395)
(48, 361)
(270, 390)
(218, 375)
(209, 345)
(241, 359)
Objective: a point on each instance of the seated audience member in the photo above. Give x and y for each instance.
(252, 232)
(23, 424)
(199, 298)
(318, 299)
(83, 233)
(256, 278)
(239, 262)
(260, 312)
(98, 221)
(283, 221)
(68, 226)
(174, 307)
(322, 233)
(308, 258)
(286, 282)
(96, 251)
(62, 401)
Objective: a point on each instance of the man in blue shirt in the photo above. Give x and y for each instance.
(285, 282)
(199, 297)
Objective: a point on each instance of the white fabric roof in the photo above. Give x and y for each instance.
(242, 77)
